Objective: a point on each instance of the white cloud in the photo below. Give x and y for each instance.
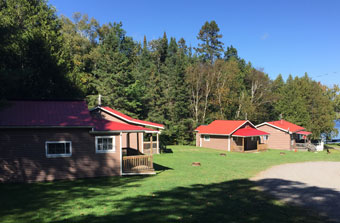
(264, 36)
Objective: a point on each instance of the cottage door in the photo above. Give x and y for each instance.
(245, 147)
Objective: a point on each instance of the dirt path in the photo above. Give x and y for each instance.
(311, 184)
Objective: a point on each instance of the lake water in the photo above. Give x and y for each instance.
(337, 125)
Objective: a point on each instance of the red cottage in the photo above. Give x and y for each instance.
(231, 135)
(48, 140)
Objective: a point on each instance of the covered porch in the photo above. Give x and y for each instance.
(249, 140)
(138, 150)
(301, 142)
(130, 144)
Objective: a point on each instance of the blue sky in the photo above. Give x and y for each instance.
(287, 37)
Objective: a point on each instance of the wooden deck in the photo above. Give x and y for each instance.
(138, 165)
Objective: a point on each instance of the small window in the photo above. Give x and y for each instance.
(206, 138)
(105, 144)
(58, 149)
(265, 137)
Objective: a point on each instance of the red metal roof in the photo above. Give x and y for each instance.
(288, 126)
(45, 113)
(132, 120)
(199, 128)
(247, 132)
(304, 133)
(105, 125)
(221, 127)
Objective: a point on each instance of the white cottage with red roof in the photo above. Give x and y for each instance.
(231, 135)
(284, 135)
(49, 140)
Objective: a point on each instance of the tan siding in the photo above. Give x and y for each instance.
(278, 139)
(236, 145)
(124, 140)
(216, 142)
(23, 156)
(197, 139)
(112, 118)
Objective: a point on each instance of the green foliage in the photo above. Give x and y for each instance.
(81, 48)
(112, 75)
(46, 57)
(211, 47)
(306, 103)
(32, 62)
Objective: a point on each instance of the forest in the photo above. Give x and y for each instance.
(165, 80)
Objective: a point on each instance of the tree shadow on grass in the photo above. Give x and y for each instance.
(230, 201)
(323, 200)
(21, 200)
(159, 167)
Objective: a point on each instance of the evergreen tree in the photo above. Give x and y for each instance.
(179, 126)
(112, 77)
(211, 47)
(231, 53)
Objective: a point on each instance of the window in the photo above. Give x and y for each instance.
(58, 149)
(206, 138)
(105, 144)
(265, 137)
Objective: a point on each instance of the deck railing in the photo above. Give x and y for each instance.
(137, 163)
(301, 145)
(147, 148)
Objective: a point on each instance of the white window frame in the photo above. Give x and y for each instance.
(58, 155)
(113, 150)
(206, 138)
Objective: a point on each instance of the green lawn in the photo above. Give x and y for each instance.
(336, 145)
(216, 191)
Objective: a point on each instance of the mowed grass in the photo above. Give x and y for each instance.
(216, 191)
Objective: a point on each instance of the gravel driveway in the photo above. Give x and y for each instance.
(311, 184)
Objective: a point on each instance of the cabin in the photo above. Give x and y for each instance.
(232, 136)
(286, 135)
(50, 140)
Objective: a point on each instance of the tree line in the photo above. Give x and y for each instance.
(43, 56)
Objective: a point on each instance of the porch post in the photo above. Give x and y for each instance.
(157, 143)
(151, 145)
(242, 144)
(142, 142)
(121, 153)
(128, 140)
(229, 138)
(257, 143)
(138, 147)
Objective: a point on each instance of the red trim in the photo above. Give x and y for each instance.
(248, 132)
(105, 125)
(304, 133)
